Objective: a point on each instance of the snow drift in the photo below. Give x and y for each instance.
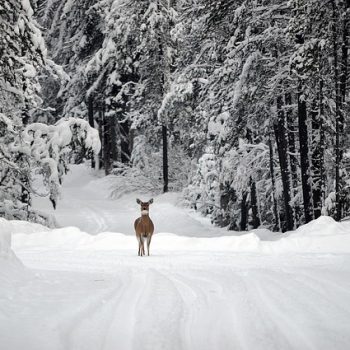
(323, 235)
(81, 291)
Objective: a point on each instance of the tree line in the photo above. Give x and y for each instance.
(244, 101)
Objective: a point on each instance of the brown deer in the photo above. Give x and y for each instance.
(144, 227)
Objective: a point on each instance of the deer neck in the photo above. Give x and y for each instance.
(144, 214)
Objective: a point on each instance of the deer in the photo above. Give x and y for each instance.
(144, 227)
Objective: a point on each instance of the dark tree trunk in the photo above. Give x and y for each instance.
(291, 142)
(165, 158)
(91, 122)
(304, 155)
(244, 212)
(282, 146)
(124, 128)
(254, 204)
(338, 118)
(273, 181)
(163, 41)
(317, 158)
(106, 144)
(100, 133)
(25, 194)
(293, 160)
(341, 72)
(113, 138)
(345, 54)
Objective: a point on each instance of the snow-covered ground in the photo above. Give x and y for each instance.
(85, 203)
(66, 289)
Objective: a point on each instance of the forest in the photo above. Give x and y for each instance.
(241, 105)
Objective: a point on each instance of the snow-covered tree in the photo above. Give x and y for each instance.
(28, 147)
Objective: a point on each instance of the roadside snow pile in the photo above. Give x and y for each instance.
(9, 263)
(323, 226)
(5, 238)
(18, 226)
(323, 235)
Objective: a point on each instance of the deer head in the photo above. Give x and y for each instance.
(144, 206)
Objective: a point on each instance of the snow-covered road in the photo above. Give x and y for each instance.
(179, 300)
(71, 290)
(85, 203)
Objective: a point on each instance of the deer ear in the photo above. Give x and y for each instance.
(150, 201)
(138, 201)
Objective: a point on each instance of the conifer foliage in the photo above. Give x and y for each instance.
(28, 148)
(242, 104)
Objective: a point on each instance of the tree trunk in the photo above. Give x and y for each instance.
(293, 160)
(113, 139)
(340, 76)
(254, 204)
(244, 212)
(338, 118)
(345, 54)
(100, 133)
(273, 181)
(106, 144)
(282, 146)
(291, 142)
(304, 155)
(165, 158)
(91, 123)
(124, 128)
(317, 159)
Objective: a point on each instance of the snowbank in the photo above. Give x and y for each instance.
(9, 263)
(18, 226)
(5, 238)
(323, 235)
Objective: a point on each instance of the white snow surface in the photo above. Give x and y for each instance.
(65, 289)
(85, 203)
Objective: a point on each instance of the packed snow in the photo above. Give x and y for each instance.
(85, 203)
(65, 289)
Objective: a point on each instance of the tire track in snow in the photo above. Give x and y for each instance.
(273, 327)
(320, 284)
(298, 311)
(122, 328)
(189, 298)
(210, 322)
(160, 310)
(96, 217)
(83, 326)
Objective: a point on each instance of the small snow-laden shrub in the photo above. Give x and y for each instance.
(241, 166)
(329, 204)
(203, 191)
(44, 149)
(12, 208)
(145, 175)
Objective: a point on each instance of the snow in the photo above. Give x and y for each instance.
(29, 71)
(5, 238)
(27, 7)
(243, 77)
(85, 203)
(212, 289)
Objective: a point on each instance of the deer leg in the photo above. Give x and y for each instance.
(142, 246)
(149, 237)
